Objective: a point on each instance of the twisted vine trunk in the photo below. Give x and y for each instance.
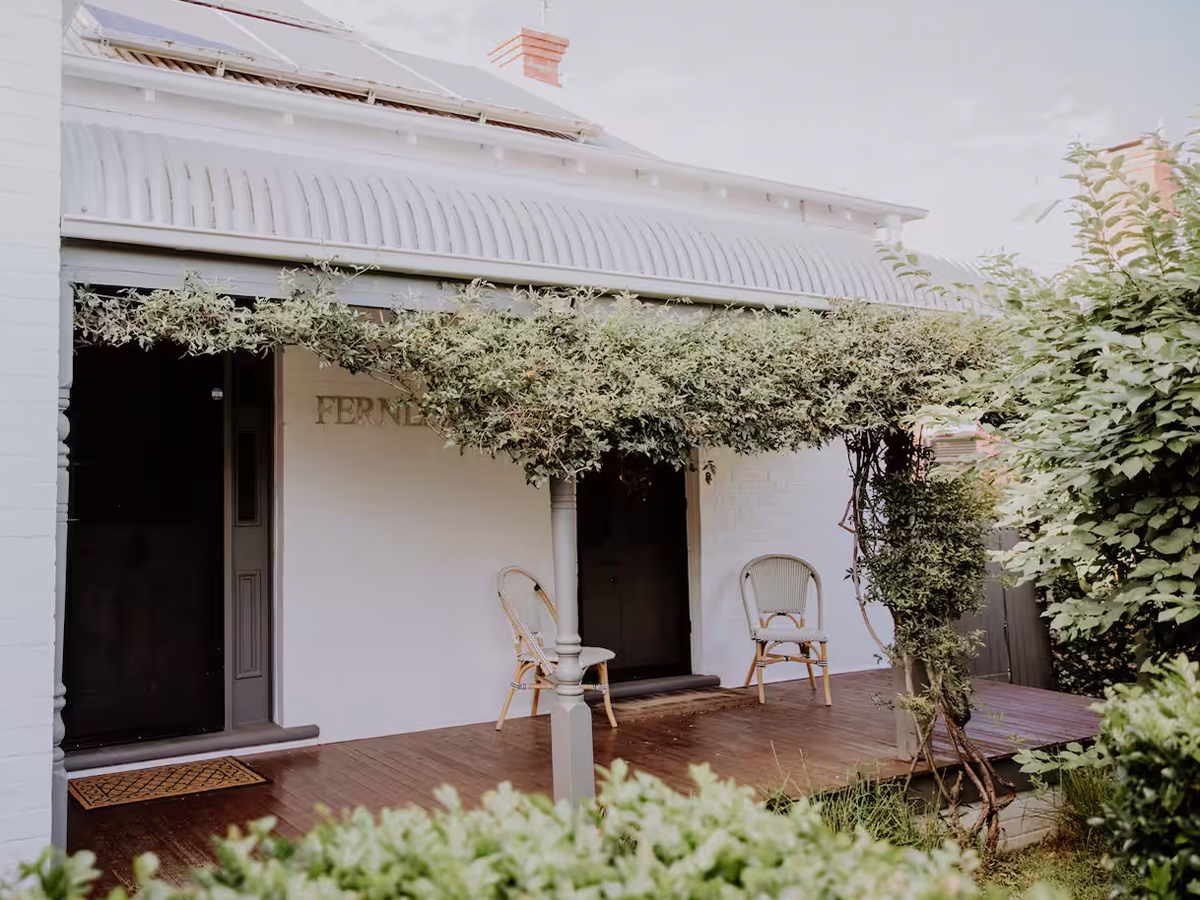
(887, 532)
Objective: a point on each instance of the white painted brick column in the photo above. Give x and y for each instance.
(30, 109)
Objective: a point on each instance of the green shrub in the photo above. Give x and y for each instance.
(1090, 663)
(1152, 736)
(1150, 740)
(641, 840)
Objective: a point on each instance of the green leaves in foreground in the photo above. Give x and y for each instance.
(1150, 738)
(640, 840)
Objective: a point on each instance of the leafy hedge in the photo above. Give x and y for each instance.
(1089, 664)
(1150, 737)
(1153, 737)
(640, 840)
(1100, 411)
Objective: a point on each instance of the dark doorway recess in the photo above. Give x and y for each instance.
(144, 653)
(633, 573)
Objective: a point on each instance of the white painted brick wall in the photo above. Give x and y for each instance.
(388, 618)
(30, 89)
(778, 503)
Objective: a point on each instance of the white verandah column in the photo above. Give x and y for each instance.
(58, 770)
(571, 718)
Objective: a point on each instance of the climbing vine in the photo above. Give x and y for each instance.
(578, 374)
(919, 551)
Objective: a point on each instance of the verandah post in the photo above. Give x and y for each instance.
(58, 769)
(571, 718)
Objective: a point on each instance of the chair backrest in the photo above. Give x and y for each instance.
(777, 585)
(530, 610)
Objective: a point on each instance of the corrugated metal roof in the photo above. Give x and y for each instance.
(130, 176)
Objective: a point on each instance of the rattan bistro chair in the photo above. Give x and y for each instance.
(534, 620)
(775, 594)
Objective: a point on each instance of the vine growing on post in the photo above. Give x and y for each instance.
(576, 374)
(919, 540)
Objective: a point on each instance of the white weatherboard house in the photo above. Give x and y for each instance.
(233, 552)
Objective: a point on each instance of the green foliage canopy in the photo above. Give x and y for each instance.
(575, 375)
(1100, 410)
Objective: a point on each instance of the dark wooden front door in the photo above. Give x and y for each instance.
(633, 584)
(145, 619)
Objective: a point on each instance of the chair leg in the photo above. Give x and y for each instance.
(753, 666)
(825, 666)
(537, 695)
(522, 668)
(807, 651)
(758, 664)
(603, 671)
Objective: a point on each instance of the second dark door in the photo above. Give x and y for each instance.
(633, 582)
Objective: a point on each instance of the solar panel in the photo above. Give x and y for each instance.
(312, 50)
(294, 9)
(317, 51)
(167, 20)
(477, 84)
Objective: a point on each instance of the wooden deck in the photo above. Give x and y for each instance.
(794, 736)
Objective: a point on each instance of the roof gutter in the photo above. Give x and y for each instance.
(218, 90)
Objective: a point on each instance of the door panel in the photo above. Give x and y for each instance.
(144, 641)
(633, 587)
(252, 424)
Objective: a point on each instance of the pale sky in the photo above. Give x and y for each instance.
(963, 107)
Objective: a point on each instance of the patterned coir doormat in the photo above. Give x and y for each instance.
(681, 703)
(97, 791)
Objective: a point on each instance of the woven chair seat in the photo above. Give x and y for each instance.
(534, 621)
(588, 656)
(794, 635)
(775, 590)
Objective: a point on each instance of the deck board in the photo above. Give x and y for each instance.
(794, 736)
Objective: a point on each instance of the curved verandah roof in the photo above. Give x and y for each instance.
(406, 219)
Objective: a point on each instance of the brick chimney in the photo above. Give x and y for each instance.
(539, 51)
(1147, 160)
